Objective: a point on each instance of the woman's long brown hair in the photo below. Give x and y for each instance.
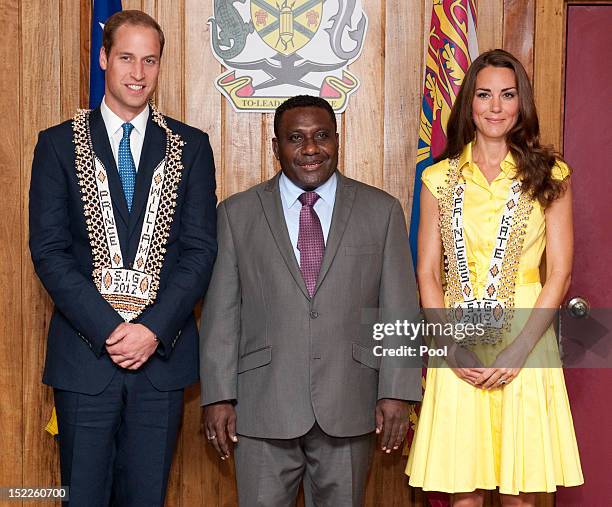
(534, 162)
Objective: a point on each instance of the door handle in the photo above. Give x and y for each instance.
(578, 307)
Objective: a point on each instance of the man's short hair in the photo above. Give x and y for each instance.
(129, 17)
(302, 101)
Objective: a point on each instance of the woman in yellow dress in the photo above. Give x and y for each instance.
(495, 413)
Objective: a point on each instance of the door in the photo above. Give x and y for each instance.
(585, 321)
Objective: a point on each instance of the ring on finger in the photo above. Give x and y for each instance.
(503, 381)
(211, 437)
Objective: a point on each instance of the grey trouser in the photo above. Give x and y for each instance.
(269, 471)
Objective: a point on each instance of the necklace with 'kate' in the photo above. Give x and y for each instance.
(495, 308)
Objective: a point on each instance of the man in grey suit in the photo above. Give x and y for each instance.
(287, 365)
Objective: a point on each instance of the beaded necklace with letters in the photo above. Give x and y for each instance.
(495, 309)
(129, 291)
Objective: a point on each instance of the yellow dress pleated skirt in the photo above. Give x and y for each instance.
(518, 437)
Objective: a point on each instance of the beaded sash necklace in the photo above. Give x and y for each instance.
(495, 309)
(129, 291)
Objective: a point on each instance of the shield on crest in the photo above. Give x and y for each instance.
(286, 25)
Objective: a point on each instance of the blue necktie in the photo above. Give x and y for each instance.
(127, 169)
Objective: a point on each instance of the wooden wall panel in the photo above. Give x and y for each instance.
(85, 35)
(170, 90)
(364, 125)
(490, 24)
(11, 352)
(200, 472)
(519, 19)
(137, 4)
(549, 65)
(40, 107)
(240, 156)
(269, 164)
(70, 68)
(403, 82)
(49, 42)
(170, 99)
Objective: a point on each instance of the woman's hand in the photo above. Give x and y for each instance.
(465, 364)
(507, 365)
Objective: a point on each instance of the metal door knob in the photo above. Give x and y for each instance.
(578, 307)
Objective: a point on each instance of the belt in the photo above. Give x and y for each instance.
(528, 276)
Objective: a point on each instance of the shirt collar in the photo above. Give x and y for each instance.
(113, 122)
(508, 165)
(290, 192)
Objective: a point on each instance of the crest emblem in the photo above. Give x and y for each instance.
(286, 26)
(275, 49)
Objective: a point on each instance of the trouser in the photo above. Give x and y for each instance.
(269, 471)
(116, 447)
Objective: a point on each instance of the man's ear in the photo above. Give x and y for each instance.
(275, 147)
(103, 61)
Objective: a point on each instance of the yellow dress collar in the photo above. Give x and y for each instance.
(508, 165)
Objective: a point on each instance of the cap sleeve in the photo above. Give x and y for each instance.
(434, 176)
(560, 170)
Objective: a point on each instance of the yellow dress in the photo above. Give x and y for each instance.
(519, 437)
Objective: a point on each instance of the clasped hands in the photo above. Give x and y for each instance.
(468, 367)
(219, 425)
(130, 345)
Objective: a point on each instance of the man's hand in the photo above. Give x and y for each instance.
(392, 421)
(219, 425)
(131, 345)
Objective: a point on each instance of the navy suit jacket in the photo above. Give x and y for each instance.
(76, 357)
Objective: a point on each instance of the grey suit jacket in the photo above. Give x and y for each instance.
(286, 359)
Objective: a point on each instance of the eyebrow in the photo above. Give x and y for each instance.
(127, 53)
(301, 130)
(503, 89)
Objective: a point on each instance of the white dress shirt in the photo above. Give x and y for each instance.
(324, 207)
(115, 132)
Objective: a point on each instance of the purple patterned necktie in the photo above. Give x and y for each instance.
(310, 241)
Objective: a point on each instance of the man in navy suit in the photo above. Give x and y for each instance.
(123, 237)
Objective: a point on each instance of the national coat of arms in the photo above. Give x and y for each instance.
(274, 49)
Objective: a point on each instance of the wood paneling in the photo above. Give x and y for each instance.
(549, 65)
(363, 140)
(70, 68)
(11, 231)
(170, 90)
(46, 68)
(519, 19)
(40, 107)
(403, 85)
(490, 24)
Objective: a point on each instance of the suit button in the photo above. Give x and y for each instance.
(131, 264)
(313, 314)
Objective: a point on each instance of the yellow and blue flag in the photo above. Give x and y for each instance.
(102, 10)
(452, 47)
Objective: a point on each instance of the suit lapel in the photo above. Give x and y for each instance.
(345, 196)
(153, 151)
(273, 210)
(102, 149)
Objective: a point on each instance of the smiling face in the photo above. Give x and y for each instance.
(495, 106)
(307, 146)
(132, 68)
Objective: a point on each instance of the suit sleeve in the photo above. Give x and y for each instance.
(399, 377)
(220, 329)
(73, 293)
(189, 278)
